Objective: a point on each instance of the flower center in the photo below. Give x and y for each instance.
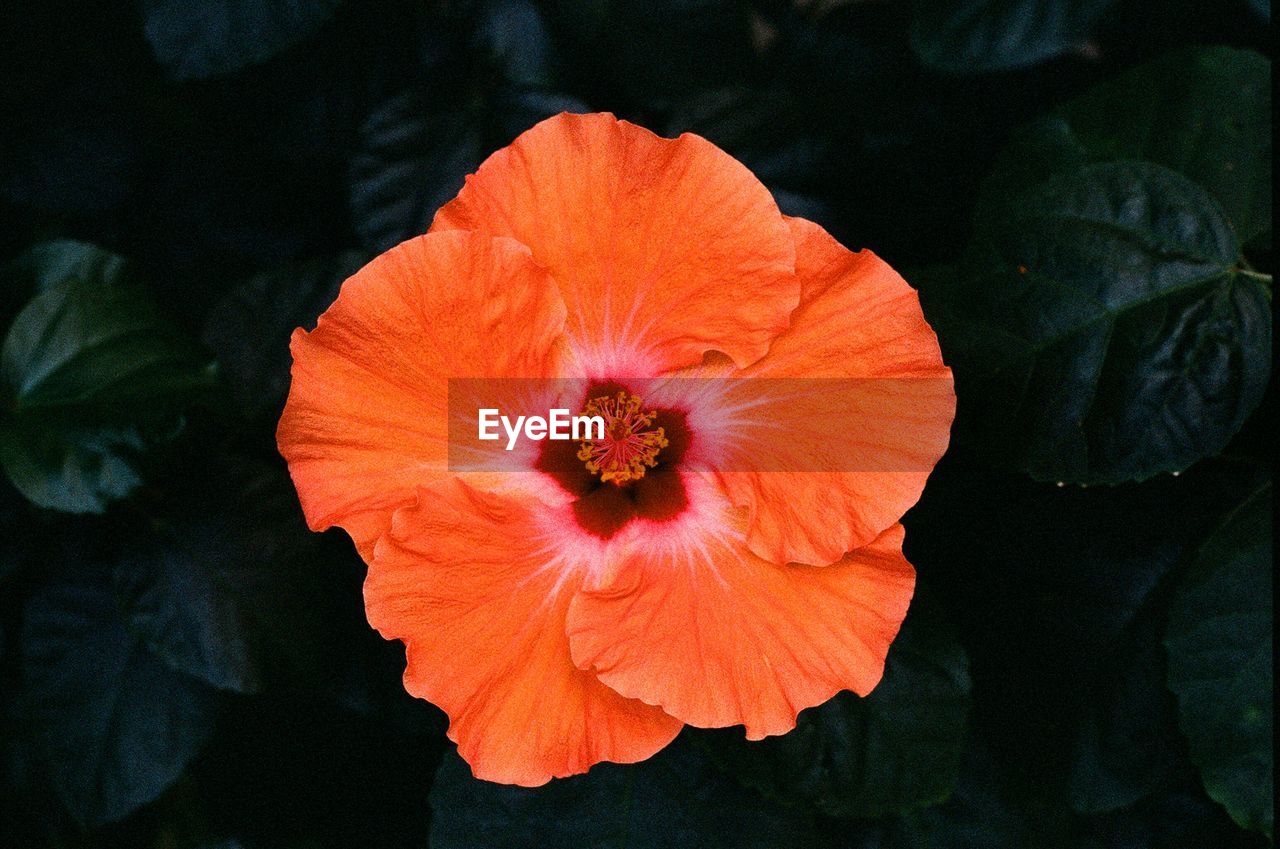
(630, 443)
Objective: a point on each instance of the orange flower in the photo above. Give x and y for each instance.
(583, 607)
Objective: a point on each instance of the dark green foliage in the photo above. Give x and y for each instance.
(198, 40)
(1127, 745)
(409, 163)
(248, 330)
(1220, 662)
(674, 799)
(1204, 112)
(1101, 326)
(92, 376)
(1085, 191)
(897, 749)
(972, 36)
(114, 724)
(217, 587)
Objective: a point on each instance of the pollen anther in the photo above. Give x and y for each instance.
(630, 444)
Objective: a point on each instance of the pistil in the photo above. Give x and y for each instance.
(630, 444)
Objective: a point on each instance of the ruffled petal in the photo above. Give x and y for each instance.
(477, 586)
(663, 248)
(846, 415)
(365, 423)
(690, 619)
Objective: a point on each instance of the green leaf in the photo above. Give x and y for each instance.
(1219, 641)
(90, 377)
(765, 129)
(1205, 112)
(413, 158)
(60, 465)
(1128, 744)
(976, 36)
(1101, 329)
(897, 749)
(249, 329)
(49, 263)
(512, 37)
(675, 799)
(994, 806)
(115, 726)
(198, 40)
(215, 586)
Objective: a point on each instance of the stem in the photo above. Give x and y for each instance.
(1263, 278)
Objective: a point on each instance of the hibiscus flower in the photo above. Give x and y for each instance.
(585, 606)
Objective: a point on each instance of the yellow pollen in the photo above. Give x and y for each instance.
(630, 443)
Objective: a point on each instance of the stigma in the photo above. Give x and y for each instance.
(630, 443)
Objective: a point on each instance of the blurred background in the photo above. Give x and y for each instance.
(1081, 190)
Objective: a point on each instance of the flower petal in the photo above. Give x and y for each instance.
(473, 584)
(854, 407)
(365, 423)
(693, 621)
(663, 248)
